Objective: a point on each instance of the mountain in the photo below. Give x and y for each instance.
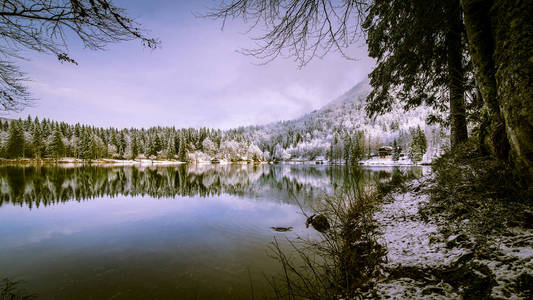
(313, 134)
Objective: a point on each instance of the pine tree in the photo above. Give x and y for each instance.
(134, 147)
(422, 141)
(15, 143)
(396, 153)
(347, 149)
(177, 143)
(182, 152)
(418, 145)
(435, 76)
(170, 148)
(355, 149)
(84, 150)
(151, 148)
(37, 142)
(57, 147)
(158, 145)
(93, 148)
(122, 145)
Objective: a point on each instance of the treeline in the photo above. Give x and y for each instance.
(32, 138)
(46, 139)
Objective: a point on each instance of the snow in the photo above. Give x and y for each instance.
(407, 288)
(376, 161)
(413, 242)
(514, 256)
(408, 238)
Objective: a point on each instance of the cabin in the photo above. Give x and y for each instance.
(385, 151)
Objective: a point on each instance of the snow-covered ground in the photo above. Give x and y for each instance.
(415, 243)
(408, 238)
(376, 161)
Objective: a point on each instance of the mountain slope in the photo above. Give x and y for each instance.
(313, 134)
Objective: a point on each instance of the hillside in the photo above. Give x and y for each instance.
(313, 134)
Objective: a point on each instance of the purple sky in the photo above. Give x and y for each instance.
(195, 79)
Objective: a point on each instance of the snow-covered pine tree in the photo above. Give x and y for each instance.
(134, 146)
(182, 152)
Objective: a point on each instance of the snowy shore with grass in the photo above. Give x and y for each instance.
(425, 260)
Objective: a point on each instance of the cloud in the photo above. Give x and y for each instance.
(196, 79)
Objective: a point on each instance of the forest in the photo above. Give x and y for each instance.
(35, 139)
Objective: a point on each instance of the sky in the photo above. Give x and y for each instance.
(195, 79)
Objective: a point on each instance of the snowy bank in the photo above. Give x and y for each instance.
(422, 263)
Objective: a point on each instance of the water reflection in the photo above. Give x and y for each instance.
(35, 185)
(182, 232)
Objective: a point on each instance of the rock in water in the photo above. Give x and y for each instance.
(282, 229)
(319, 222)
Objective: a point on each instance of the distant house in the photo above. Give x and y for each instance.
(384, 151)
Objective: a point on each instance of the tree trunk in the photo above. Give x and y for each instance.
(513, 56)
(504, 68)
(478, 30)
(456, 87)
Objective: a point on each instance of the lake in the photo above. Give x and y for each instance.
(180, 232)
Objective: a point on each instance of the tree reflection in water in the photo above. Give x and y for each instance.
(34, 186)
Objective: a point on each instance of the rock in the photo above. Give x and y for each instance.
(281, 229)
(455, 240)
(319, 222)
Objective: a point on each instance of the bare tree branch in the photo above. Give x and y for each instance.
(302, 29)
(44, 25)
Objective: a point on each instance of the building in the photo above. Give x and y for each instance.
(385, 151)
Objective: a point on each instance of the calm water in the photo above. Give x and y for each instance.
(196, 232)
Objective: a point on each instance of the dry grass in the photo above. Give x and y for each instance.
(344, 262)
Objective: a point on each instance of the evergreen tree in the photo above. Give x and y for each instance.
(420, 49)
(28, 124)
(170, 148)
(418, 145)
(57, 147)
(37, 142)
(122, 145)
(182, 152)
(84, 147)
(396, 153)
(158, 145)
(151, 148)
(134, 147)
(15, 143)
(93, 148)
(422, 141)
(347, 149)
(177, 143)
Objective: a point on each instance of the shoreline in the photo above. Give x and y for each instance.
(162, 162)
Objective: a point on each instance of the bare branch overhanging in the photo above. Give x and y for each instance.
(47, 26)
